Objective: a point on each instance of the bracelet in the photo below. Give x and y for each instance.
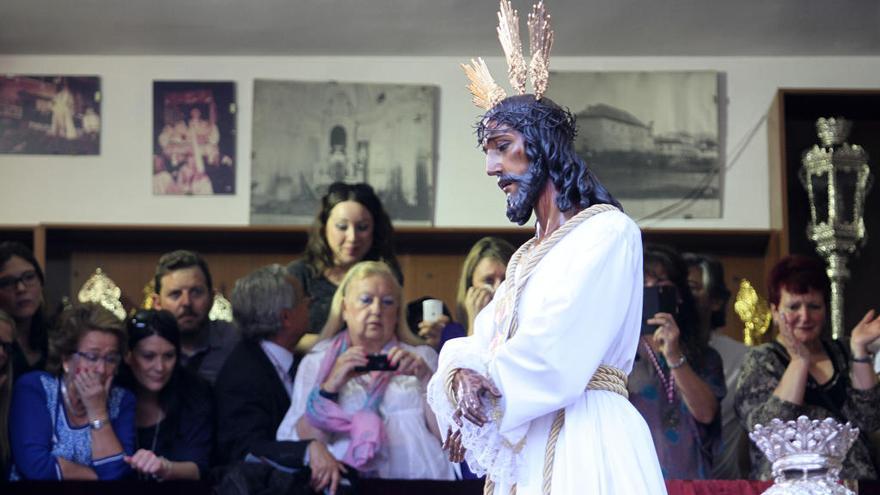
(868, 359)
(681, 362)
(334, 396)
(449, 385)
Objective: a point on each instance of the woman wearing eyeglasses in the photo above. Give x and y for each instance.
(352, 226)
(175, 420)
(70, 422)
(21, 297)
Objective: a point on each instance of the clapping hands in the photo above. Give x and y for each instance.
(865, 333)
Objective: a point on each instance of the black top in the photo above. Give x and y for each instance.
(319, 289)
(20, 365)
(187, 432)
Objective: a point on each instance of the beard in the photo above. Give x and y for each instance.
(521, 203)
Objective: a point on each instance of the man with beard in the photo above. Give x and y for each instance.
(183, 287)
(536, 398)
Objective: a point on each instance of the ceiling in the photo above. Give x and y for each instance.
(436, 27)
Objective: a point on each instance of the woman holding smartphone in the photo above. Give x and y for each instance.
(677, 381)
(370, 411)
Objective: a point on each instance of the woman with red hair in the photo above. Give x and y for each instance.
(804, 373)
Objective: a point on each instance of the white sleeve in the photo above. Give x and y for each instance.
(463, 352)
(581, 297)
(577, 305)
(306, 378)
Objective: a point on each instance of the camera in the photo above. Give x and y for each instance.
(658, 299)
(377, 362)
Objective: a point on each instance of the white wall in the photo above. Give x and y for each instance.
(116, 187)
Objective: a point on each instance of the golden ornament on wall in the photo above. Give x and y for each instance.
(148, 292)
(101, 289)
(753, 311)
(220, 310)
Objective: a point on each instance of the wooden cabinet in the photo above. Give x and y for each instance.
(430, 258)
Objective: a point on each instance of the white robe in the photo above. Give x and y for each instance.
(581, 308)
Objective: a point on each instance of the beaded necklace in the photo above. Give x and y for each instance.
(671, 416)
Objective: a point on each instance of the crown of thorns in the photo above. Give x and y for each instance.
(544, 114)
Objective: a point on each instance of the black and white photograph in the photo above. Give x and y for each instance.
(651, 137)
(50, 115)
(193, 138)
(307, 135)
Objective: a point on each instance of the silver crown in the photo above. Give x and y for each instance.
(800, 447)
(833, 131)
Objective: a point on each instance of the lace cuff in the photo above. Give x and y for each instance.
(488, 452)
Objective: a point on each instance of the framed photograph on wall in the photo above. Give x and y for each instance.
(307, 135)
(652, 138)
(193, 138)
(50, 115)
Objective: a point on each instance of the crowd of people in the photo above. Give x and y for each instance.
(170, 394)
(327, 375)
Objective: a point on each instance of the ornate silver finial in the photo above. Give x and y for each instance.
(837, 178)
(833, 130)
(806, 455)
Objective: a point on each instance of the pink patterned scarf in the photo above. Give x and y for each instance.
(365, 427)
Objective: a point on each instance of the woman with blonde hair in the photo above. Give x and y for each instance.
(361, 390)
(483, 271)
(7, 333)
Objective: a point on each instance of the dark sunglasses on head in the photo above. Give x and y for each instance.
(145, 318)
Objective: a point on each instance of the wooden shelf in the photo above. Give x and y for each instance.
(430, 258)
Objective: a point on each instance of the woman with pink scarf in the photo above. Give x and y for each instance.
(375, 420)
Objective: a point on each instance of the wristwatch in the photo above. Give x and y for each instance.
(97, 424)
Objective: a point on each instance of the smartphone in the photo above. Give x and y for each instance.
(377, 362)
(658, 299)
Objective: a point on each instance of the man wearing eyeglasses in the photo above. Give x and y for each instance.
(183, 287)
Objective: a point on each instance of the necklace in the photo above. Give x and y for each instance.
(156, 432)
(160, 416)
(67, 402)
(670, 416)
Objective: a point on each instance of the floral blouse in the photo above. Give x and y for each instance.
(755, 403)
(684, 445)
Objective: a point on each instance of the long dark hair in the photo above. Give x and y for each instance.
(38, 338)
(549, 131)
(694, 339)
(712, 274)
(318, 255)
(147, 323)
